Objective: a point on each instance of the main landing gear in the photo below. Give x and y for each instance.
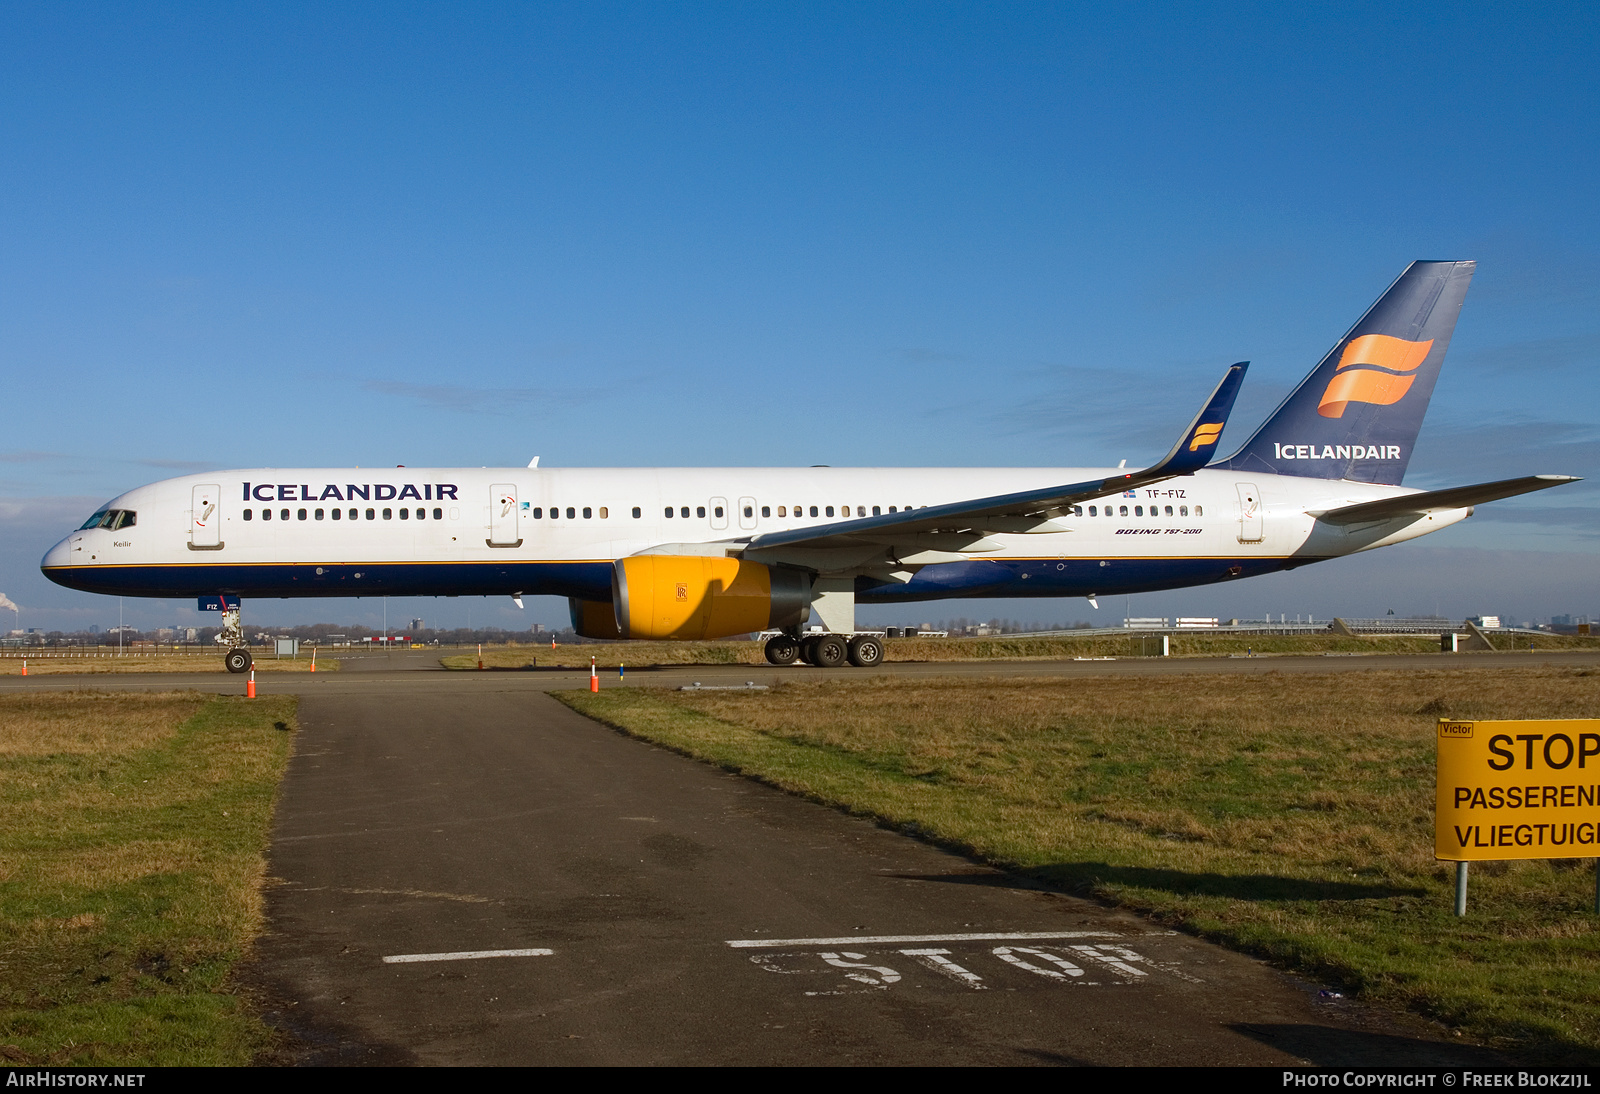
(827, 651)
(231, 638)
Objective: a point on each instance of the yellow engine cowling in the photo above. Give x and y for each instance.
(682, 596)
(593, 618)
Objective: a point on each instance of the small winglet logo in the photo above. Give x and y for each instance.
(1374, 368)
(1204, 435)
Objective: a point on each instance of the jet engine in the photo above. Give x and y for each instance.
(684, 596)
(593, 618)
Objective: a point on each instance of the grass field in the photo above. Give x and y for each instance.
(1288, 816)
(132, 832)
(1000, 647)
(161, 662)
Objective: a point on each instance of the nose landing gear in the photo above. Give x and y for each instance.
(231, 638)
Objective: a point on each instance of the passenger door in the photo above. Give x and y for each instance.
(719, 513)
(503, 515)
(1251, 518)
(205, 525)
(747, 513)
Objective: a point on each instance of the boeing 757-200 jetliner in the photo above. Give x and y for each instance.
(696, 553)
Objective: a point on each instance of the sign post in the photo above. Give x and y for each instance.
(1514, 790)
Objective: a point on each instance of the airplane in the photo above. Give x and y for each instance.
(703, 553)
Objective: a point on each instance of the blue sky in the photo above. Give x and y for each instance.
(731, 234)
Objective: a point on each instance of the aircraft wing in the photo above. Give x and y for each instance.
(1458, 497)
(1027, 511)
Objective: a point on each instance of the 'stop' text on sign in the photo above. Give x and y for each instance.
(1518, 789)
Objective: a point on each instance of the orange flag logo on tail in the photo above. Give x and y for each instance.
(1374, 368)
(1204, 435)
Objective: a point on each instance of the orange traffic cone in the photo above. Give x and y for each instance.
(250, 687)
(594, 677)
(24, 666)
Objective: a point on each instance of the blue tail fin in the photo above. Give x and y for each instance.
(1359, 412)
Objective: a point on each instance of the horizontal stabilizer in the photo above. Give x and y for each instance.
(1432, 501)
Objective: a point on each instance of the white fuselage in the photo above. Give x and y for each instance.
(429, 531)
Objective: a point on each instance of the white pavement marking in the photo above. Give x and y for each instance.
(894, 939)
(889, 976)
(939, 961)
(1009, 953)
(463, 955)
(1115, 956)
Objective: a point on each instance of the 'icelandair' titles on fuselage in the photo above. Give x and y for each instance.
(1336, 451)
(382, 491)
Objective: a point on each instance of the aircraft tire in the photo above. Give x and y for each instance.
(866, 651)
(808, 648)
(829, 652)
(782, 650)
(238, 660)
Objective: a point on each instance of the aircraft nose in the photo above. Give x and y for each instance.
(59, 555)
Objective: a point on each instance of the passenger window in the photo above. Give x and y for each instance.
(684, 512)
(438, 514)
(766, 510)
(783, 510)
(1138, 510)
(588, 513)
(699, 510)
(538, 514)
(422, 514)
(372, 514)
(1122, 510)
(336, 513)
(266, 514)
(814, 511)
(354, 513)
(388, 514)
(604, 513)
(892, 509)
(1093, 512)
(637, 512)
(861, 510)
(1183, 510)
(247, 515)
(572, 514)
(1199, 512)
(405, 514)
(1169, 510)
(300, 514)
(669, 512)
(318, 514)
(283, 514)
(830, 510)
(877, 512)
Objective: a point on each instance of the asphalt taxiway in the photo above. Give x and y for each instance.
(468, 872)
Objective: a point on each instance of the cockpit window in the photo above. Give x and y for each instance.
(111, 519)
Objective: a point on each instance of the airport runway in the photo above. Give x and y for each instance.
(557, 893)
(418, 672)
